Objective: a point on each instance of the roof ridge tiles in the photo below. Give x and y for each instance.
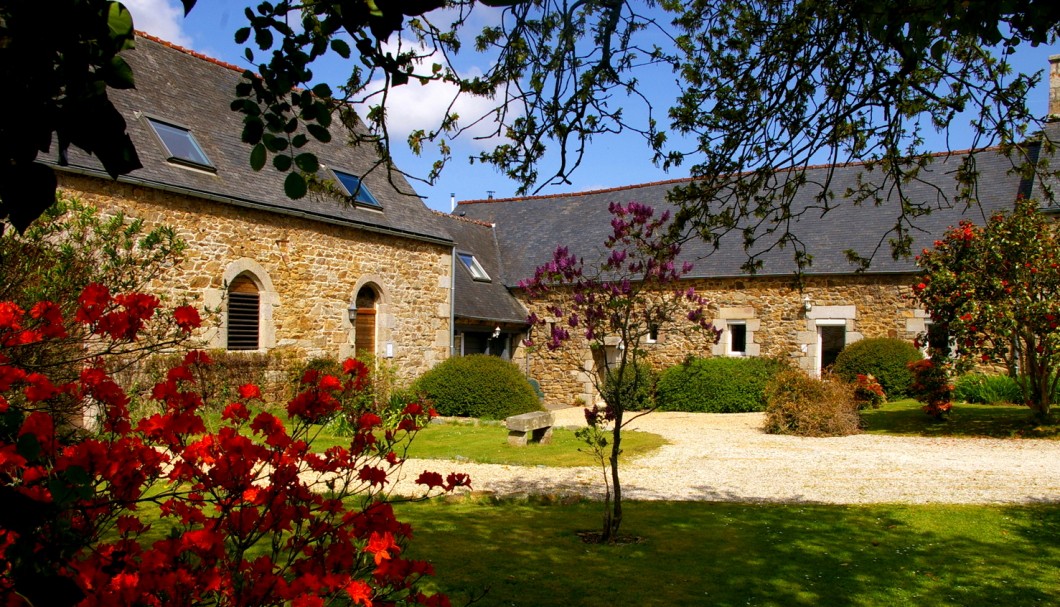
(689, 179)
(188, 51)
(461, 218)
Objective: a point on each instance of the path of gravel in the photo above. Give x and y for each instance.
(728, 458)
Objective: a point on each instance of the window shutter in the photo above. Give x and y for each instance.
(244, 311)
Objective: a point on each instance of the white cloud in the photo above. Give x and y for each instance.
(415, 106)
(162, 18)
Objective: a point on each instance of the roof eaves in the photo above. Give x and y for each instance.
(260, 206)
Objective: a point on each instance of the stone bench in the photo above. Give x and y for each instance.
(535, 427)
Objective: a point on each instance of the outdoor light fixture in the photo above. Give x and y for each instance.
(806, 303)
(496, 332)
(351, 312)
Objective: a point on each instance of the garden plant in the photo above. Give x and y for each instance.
(615, 306)
(249, 514)
(992, 290)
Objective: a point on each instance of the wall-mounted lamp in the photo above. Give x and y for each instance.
(806, 303)
(351, 312)
(496, 332)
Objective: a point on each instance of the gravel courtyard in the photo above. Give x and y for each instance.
(727, 457)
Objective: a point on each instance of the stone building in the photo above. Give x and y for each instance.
(388, 276)
(766, 314)
(313, 276)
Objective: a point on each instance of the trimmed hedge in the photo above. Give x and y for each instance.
(884, 357)
(717, 385)
(478, 385)
(636, 385)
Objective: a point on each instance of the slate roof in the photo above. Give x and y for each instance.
(1051, 183)
(529, 229)
(195, 92)
(475, 299)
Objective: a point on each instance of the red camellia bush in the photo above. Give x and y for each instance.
(991, 292)
(160, 511)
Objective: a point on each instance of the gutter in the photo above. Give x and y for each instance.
(240, 202)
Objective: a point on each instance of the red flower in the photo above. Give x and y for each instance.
(431, 479)
(369, 421)
(373, 475)
(51, 318)
(330, 382)
(140, 305)
(380, 545)
(360, 593)
(249, 391)
(10, 315)
(187, 318)
(93, 301)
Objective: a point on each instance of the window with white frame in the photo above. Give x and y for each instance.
(653, 334)
(473, 266)
(736, 334)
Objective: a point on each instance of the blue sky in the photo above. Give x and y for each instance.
(612, 161)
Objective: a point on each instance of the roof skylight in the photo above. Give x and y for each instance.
(473, 266)
(353, 186)
(180, 145)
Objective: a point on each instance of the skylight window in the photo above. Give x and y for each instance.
(353, 186)
(473, 266)
(180, 145)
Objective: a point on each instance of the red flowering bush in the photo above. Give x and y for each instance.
(992, 291)
(247, 515)
(868, 393)
(931, 386)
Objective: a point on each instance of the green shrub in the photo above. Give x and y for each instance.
(717, 385)
(636, 386)
(536, 385)
(807, 406)
(987, 389)
(886, 358)
(477, 386)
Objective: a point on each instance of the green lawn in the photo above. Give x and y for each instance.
(724, 554)
(905, 417)
(488, 444)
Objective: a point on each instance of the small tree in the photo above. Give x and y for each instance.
(993, 291)
(616, 305)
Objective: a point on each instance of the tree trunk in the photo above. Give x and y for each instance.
(613, 520)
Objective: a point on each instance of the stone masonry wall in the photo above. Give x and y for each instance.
(774, 313)
(312, 272)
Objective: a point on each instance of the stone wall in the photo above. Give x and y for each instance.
(308, 273)
(775, 315)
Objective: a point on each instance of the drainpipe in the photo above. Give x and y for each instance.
(452, 301)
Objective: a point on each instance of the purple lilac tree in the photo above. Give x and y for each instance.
(616, 305)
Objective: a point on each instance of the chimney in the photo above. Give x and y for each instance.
(1054, 89)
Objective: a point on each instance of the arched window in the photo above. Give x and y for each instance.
(364, 327)
(244, 314)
